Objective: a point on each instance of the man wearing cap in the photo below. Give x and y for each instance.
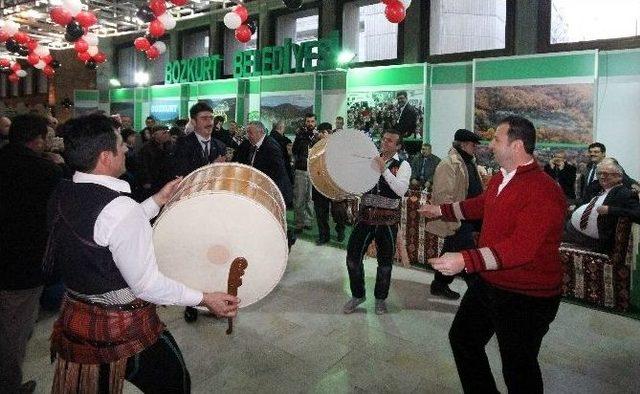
(456, 178)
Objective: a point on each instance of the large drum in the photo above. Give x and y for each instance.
(220, 212)
(342, 165)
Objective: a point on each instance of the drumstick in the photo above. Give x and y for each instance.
(236, 271)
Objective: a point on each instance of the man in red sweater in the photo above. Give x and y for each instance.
(516, 290)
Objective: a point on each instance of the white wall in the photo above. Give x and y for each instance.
(450, 109)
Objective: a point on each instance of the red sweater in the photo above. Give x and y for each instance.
(521, 232)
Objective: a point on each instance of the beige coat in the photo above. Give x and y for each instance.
(450, 184)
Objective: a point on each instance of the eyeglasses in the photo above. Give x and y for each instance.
(603, 174)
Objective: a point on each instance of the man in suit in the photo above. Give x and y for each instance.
(154, 157)
(563, 173)
(589, 184)
(594, 224)
(285, 145)
(199, 148)
(423, 166)
(27, 180)
(407, 115)
(195, 150)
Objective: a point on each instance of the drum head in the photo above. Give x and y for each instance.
(350, 163)
(196, 241)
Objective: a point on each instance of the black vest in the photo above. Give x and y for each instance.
(85, 266)
(382, 188)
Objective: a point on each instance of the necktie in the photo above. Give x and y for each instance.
(584, 219)
(591, 174)
(206, 149)
(253, 153)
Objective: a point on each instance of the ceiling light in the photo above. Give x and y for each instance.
(141, 78)
(114, 82)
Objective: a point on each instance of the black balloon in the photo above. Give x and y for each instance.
(292, 4)
(151, 38)
(91, 64)
(252, 24)
(11, 45)
(55, 64)
(23, 51)
(74, 31)
(145, 14)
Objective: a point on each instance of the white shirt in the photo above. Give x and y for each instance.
(123, 226)
(399, 183)
(592, 223)
(508, 176)
(204, 142)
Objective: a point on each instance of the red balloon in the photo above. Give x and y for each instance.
(242, 11)
(395, 11)
(153, 53)
(5, 62)
(100, 57)
(3, 36)
(81, 45)
(33, 59)
(156, 28)
(158, 7)
(141, 44)
(16, 66)
(21, 37)
(32, 45)
(13, 78)
(47, 59)
(48, 71)
(60, 16)
(86, 18)
(243, 34)
(179, 2)
(83, 56)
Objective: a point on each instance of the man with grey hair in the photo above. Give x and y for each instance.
(594, 224)
(277, 133)
(5, 124)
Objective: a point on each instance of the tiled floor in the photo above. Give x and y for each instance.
(298, 340)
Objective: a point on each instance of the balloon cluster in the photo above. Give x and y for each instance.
(235, 20)
(20, 43)
(396, 10)
(77, 23)
(155, 13)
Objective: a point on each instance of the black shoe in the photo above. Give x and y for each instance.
(340, 236)
(190, 314)
(28, 387)
(321, 241)
(444, 291)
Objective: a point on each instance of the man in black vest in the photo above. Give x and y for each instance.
(378, 220)
(101, 244)
(27, 180)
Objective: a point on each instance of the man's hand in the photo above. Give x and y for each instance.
(430, 211)
(221, 304)
(381, 163)
(167, 191)
(449, 263)
(602, 210)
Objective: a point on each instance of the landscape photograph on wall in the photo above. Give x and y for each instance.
(290, 108)
(561, 113)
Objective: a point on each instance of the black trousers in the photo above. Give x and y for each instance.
(159, 368)
(519, 323)
(461, 240)
(359, 241)
(322, 208)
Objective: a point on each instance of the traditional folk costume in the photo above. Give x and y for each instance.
(378, 220)
(101, 245)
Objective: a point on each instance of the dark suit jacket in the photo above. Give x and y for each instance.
(408, 121)
(225, 137)
(588, 191)
(188, 154)
(26, 183)
(621, 202)
(283, 141)
(566, 178)
(270, 160)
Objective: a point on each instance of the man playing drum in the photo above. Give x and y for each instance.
(378, 219)
(101, 244)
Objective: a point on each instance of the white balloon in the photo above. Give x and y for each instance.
(41, 51)
(40, 65)
(11, 28)
(232, 20)
(21, 73)
(167, 20)
(91, 39)
(73, 6)
(93, 50)
(160, 46)
(406, 3)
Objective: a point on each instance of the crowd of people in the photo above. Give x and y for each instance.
(88, 204)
